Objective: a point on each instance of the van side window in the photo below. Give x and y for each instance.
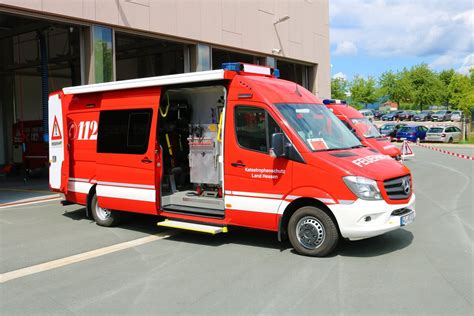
(254, 127)
(124, 131)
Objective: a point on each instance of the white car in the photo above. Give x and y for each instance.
(448, 134)
(368, 114)
(456, 116)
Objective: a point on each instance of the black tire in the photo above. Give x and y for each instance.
(450, 140)
(310, 220)
(103, 217)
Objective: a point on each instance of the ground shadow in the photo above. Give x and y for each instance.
(376, 246)
(371, 247)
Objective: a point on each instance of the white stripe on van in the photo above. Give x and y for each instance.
(127, 193)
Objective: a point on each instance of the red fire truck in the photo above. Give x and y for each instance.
(365, 130)
(230, 147)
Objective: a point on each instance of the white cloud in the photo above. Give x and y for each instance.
(340, 75)
(445, 61)
(345, 48)
(404, 28)
(467, 64)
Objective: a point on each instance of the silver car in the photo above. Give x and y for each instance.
(456, 116)
(442, 115)
(448, 134)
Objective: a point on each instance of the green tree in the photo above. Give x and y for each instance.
(425, 85)
(471, 75)
(395, 86)
(338, 88)
(461, 93)
(445, 77)
(363, 91)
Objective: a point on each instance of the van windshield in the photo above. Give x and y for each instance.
(318, 127)
(364, 127)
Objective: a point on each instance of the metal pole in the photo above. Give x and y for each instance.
(44, 82)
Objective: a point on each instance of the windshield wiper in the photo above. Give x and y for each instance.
(343, 148)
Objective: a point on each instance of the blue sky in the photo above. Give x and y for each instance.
(368, 37)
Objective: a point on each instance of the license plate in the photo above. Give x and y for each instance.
(407, 219)
(403, 138)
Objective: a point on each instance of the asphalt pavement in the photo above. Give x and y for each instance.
(426, 268)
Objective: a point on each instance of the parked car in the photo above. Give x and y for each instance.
(378, 114)
(445, 134)
(440, 116)
(414, 133)
(456, 116)
(422, 116)
(406, 115)
(392, 116)
(368, 114)
(390, 129)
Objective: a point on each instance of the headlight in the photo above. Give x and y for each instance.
(364, 188)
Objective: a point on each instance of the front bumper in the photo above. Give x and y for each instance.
(351, 218)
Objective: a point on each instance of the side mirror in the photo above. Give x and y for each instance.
(278, 145)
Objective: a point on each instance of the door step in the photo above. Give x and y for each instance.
(193, 226)
(182, 209)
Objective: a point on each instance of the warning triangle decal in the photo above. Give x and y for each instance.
(406, 150)
(56, 134)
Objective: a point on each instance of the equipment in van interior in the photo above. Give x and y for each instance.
(189, 129)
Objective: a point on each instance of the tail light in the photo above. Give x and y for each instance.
(443, 135)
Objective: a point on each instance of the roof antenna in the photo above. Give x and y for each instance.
(297, 91)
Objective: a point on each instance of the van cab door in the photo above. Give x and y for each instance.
(254, 182)
(127, 175)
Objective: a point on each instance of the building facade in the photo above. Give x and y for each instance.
(50, 44)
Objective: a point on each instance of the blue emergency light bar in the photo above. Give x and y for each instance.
(255, 69)
(333, 101)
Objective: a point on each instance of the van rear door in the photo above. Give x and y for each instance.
(127, 156)
(57, 142)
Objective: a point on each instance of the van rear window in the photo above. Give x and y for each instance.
(408, 129)
(124, 131)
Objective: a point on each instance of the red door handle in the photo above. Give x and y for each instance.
(238, 164)
(146, 160)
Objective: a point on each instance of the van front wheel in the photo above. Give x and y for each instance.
(103, 216)
(312, 232)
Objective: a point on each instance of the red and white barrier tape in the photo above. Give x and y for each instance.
(445, 151)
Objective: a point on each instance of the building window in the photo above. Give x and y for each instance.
(139, 56)
(103, 53)
(222, 56)
(124, 131)
(203, 58)
(295, 72)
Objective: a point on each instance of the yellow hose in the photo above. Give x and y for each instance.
(167, 107)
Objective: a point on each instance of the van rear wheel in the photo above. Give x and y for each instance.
(103, 216)
(312, 232)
